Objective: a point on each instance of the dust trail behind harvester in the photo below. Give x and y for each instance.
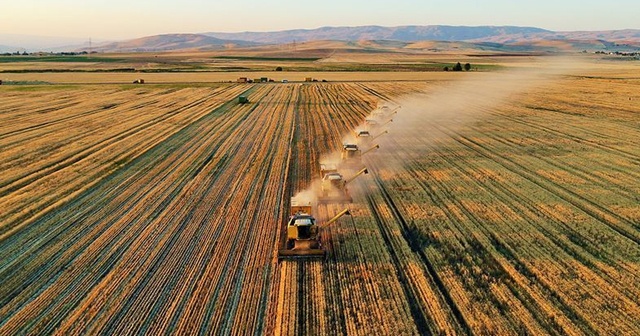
(410, 123)
(424, 119)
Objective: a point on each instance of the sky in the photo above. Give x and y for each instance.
(125, 19)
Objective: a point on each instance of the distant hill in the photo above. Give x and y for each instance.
(402, 33)
(167, 42)
(613, 36)
(498, 38)
(499, 34)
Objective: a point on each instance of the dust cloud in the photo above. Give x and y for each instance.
(424, 119)
(406, 127)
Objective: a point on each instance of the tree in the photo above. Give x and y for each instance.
(446, 68)
(279, 68)
(457, 67)
(467, 67)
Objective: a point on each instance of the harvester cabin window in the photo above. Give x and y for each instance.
(303, 222)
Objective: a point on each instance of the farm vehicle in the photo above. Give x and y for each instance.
(351, 154)
(334, 187)
(302, 240)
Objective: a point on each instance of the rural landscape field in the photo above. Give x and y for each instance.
(503, 200)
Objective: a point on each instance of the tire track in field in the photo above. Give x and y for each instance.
(621, 188)
(433, 276)
(614, 221)
(578, 139)
(470, 241)
(486, 257)
(527, 208)
(519, 171)
(329, 118)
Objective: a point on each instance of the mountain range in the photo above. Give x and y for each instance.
(487, 35)
(172, 42)
(401, 33)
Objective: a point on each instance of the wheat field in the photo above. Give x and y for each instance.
(159, 209)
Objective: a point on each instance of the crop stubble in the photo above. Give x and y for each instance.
(151, 210)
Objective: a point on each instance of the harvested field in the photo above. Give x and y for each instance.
(159, 209)
(207, 77)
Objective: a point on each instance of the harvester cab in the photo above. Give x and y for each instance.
(326, 168)
(363, 134)
(302, 234)
(350, 153)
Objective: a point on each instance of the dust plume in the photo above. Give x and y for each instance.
(425, 118)
(406, 127)
(307, 196)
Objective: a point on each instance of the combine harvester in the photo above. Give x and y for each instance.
(350, 152)
(326, 168)
(366, 137)
(352, 156)
(302, 240)
(334, 187)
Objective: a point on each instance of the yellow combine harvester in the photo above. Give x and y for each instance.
(302, 233)
(334, 187)
(352, 156)
(350, 152)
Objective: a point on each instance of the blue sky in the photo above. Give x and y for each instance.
(116, 19)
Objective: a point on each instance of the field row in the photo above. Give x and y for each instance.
(151, 210)
(55, 146)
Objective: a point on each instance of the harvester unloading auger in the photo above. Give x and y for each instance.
(334, 187)
(378, 135)
(302, 240)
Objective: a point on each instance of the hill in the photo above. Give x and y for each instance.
(401, 33)
(507, 38)
(168, 42)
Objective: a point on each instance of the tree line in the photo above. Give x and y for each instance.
(458, 67)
